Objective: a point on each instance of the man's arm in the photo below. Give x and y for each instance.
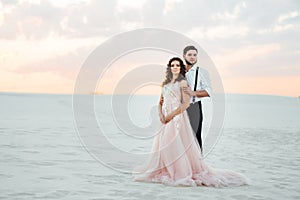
(205, 86)
(201, 93)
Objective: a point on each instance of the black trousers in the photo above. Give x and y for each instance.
(196, 118)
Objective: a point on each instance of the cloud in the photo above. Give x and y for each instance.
(284, 22)
(230, 15)
(287, 16)
(246, 38)
(32, 21)
(89, 18)
(216, 32)
(9, 2)
(41, 20)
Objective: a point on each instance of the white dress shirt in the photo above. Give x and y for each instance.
(203, 82)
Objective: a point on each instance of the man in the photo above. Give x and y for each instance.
(195, 75)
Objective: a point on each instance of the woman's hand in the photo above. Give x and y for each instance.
(162, 118)
(161, 101)
(169, 118)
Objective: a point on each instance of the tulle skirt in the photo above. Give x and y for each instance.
(176, 160)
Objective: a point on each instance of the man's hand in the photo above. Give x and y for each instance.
(188, 91)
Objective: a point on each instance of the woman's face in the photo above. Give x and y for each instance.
(175, 67)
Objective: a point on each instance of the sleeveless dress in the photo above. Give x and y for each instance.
(176, 158)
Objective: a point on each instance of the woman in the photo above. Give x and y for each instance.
(176, 156)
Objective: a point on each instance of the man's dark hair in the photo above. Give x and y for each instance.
(187, 48)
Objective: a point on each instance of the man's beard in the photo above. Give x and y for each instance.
(188, 63)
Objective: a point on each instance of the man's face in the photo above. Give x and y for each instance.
(190, 57)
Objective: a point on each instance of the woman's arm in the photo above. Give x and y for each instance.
(184, 104)
(160, 113)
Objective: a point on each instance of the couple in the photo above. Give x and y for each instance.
(176, 157)
(200, 86)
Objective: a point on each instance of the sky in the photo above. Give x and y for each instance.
(254, 44)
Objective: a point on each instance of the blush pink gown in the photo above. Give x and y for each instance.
(176, 158)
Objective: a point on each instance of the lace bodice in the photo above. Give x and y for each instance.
(172, 97)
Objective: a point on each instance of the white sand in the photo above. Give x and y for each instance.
(43, 158)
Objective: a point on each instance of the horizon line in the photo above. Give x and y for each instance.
(108, 94)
